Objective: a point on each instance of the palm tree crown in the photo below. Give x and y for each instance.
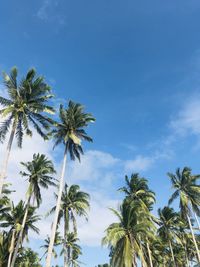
(187, 189)
(26, 103)
(73, 202)
(124, 237)
(137, 189)
(13, 219)
(39, 172)
(70, 130)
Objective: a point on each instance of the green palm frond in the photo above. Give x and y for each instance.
(26, 105)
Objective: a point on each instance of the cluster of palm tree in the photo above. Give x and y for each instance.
(138, 238)
(169, 239)
(24, 111)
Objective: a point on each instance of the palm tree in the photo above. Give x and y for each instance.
(74, 261)
(188, 192)
(57, 242)
(27, 257)
(73, 249)
(4, 201)
(73, 203)
(168, 221)
(13, 220)
(69, 131)
(4, 248)
(137, 189)
(26, 104)
(39, 172)
(124, 237)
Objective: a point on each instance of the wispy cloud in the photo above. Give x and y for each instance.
(140, 163)
(49, 12)
(188, 119)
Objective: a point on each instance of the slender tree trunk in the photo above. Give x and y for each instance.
(172, 252)
(68, 254)
(66, 230)
(19, 240)
(143, 262)
(6, 159)
(149, 253)
(74, 222)
(197, 220)
(194, 240)
(11, 249)
(54, 227)
(186, 257)
(133, 257)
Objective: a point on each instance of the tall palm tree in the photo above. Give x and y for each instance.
(73, 249)
(74, 261)
(26, 104)
(57, 242)
(188, 192)
(168, 221)
(69, 131)
(4, 247)
(137, 189)
(4, 201)
(40, 173)
(73, 203)
(124, 237)
(27, 257)
(13, 220)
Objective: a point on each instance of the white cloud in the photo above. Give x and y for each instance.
(48, 11)
(42, 12)
(100, 217)
(140, 163)
(94, 165)
(188, 119)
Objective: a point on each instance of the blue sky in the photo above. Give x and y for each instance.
(135, 65)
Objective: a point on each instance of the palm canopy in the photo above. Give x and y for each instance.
(73, 202)
(57, 242)
(124, 237)
(14, 218)
(74, 250)
(70, 130)
(5, 201)
(40, 173)
(26, 104)
(4, 247)
(169, 221)
(187, 189)
(137, 189)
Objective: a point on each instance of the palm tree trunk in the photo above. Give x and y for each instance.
(197, 220)
(5, 163)
(68, 254)
(11, 249)
(74, 222)
(194, 240)
(149, 253)
(172, 252)
(143, 262)
(54, 227)
(133, 257)
(66, 229)
(19, 240)
(187, 260)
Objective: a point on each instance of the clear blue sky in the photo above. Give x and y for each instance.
(134, 64)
